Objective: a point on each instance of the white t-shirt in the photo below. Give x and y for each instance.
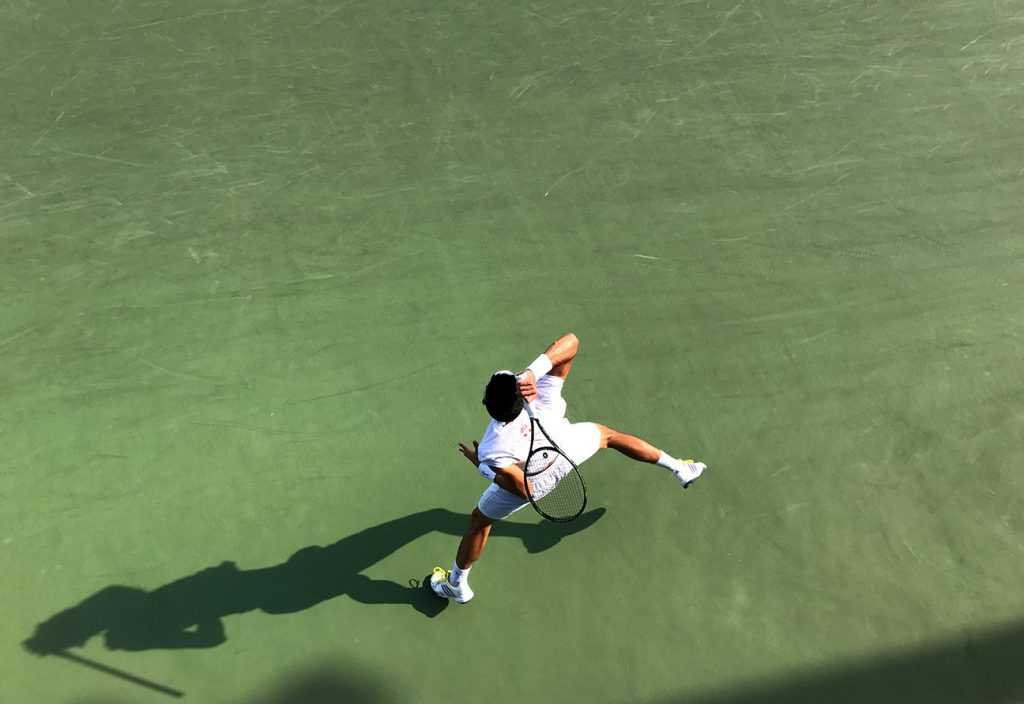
(507, 443)
(504, 443)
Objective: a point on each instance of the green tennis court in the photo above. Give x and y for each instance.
(260, 257)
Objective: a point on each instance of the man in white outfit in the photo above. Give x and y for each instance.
(502, 451)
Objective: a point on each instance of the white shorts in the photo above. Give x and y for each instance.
(580, 441)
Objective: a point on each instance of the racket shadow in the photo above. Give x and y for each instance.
(189, 612)
(546, 534)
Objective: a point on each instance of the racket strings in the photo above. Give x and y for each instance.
(556, 486)
(546, 467)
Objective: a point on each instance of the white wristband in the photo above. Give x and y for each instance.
(486, 471)
(540, 366)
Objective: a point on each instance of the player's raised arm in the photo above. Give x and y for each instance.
(556, 360)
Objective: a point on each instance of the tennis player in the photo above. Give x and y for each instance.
(501, 453)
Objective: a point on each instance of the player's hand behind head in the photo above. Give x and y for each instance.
(527, 385)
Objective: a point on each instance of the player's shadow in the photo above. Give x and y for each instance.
(188, 612)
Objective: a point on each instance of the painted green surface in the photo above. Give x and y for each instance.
(259, 258)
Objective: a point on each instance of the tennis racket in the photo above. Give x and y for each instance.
(554, 484)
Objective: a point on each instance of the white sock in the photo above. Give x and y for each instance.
(459, 575)
(671, 464)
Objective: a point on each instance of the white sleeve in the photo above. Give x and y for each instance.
(540, 366)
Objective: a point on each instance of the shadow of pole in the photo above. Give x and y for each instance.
(121, 674)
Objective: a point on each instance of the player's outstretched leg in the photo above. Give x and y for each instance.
(686, 471)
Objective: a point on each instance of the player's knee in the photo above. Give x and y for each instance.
(478, 521)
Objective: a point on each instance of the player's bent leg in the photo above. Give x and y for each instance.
(686, 471)
(495, 504)
(454, 583)
(474, 539)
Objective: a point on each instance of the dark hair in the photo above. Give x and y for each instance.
(502, 397)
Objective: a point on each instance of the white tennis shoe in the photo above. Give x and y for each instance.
(446, 590)
(696, 469)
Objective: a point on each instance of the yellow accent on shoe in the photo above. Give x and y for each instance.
(687, 461)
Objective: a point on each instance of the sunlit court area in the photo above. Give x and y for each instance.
(259, 259)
